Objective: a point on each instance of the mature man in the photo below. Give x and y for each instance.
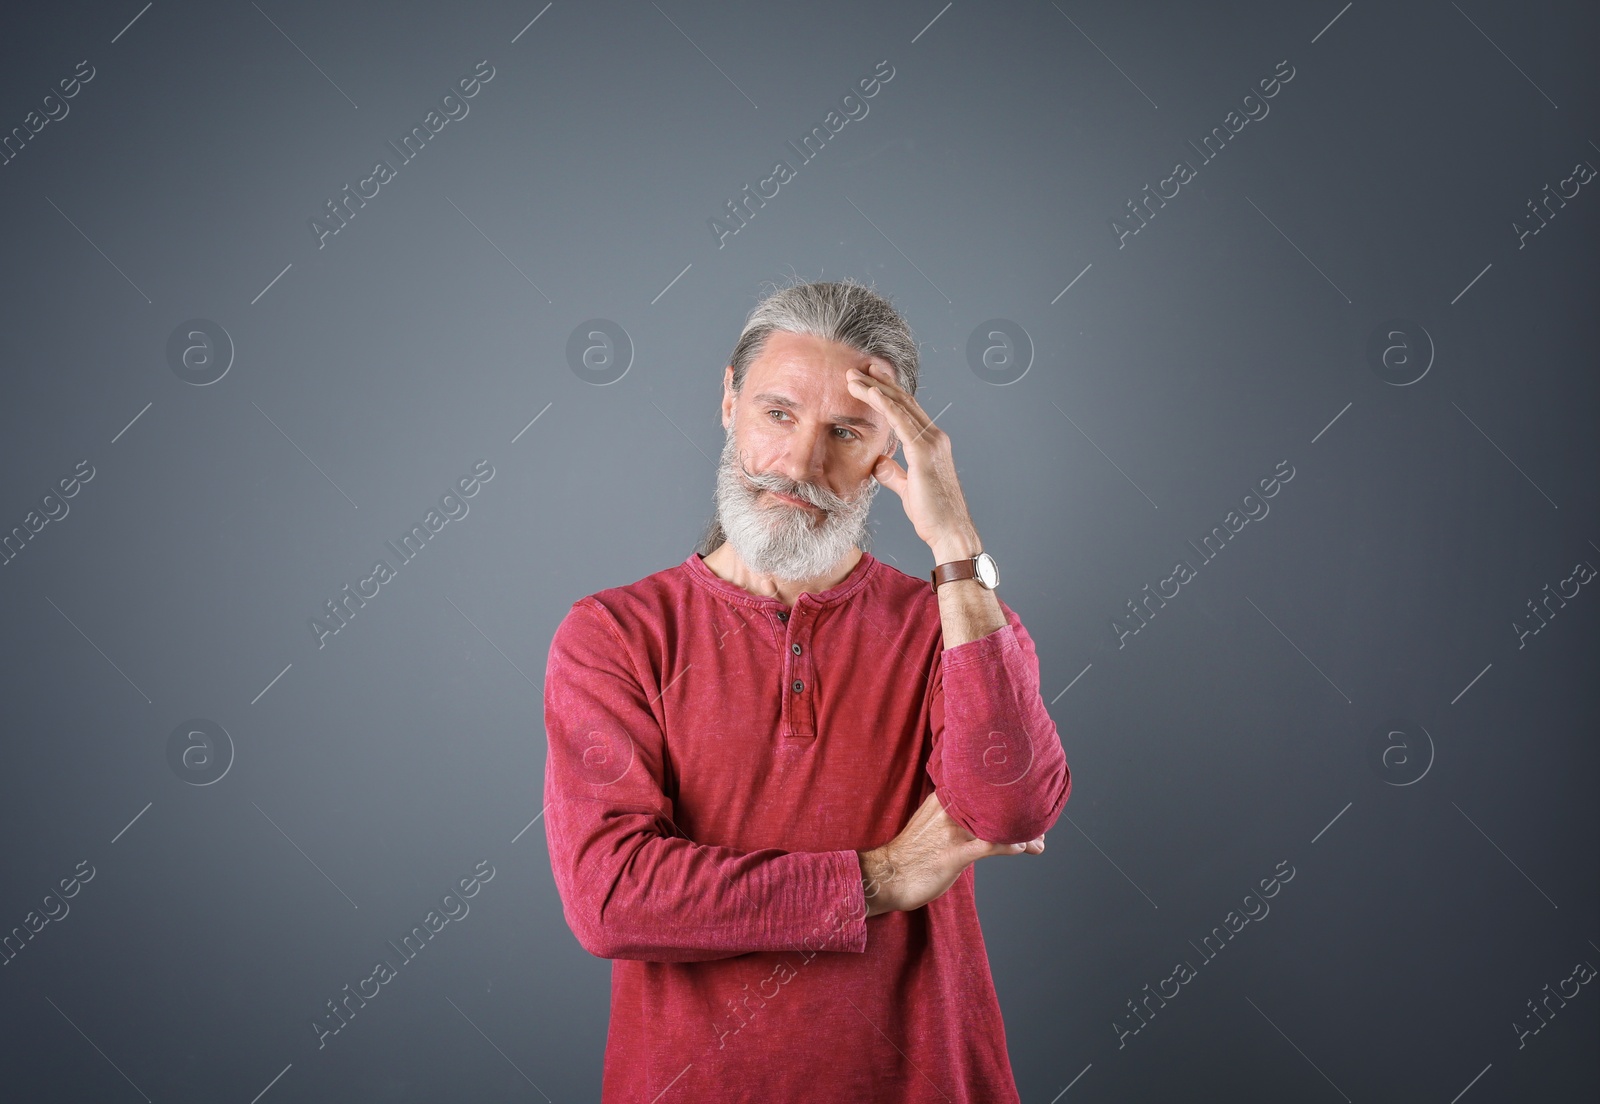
(733, 739)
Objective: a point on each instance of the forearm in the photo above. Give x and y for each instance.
(968, 610)
(667, 899)
(1002, 770)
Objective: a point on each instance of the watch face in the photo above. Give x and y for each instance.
(988, 570)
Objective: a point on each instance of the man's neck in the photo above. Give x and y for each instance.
(726, 564)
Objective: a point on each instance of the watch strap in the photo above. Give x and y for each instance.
(954, 571)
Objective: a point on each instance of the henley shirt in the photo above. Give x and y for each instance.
(716, 759)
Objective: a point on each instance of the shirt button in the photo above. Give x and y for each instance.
(783, 615)
(798, 686)
(795, 648)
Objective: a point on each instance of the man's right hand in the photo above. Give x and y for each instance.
(924, 860)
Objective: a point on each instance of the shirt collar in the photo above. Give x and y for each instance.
(865, 567)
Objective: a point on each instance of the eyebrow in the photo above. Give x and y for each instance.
(842, 419)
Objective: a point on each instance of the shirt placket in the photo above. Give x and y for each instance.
(799, 687)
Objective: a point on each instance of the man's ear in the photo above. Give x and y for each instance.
(729, 396)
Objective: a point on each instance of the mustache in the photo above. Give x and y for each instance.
(805, 492)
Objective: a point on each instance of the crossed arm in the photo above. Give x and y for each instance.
(633, 887)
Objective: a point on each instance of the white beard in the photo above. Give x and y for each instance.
(776, 538)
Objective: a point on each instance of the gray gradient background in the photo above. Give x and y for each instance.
(1235, 731)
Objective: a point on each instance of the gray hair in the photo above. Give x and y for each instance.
(843, 311)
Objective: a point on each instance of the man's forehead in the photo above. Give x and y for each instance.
(783, 348)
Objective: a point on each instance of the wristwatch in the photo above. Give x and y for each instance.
(981, 567)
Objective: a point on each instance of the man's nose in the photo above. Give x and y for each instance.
(805, 459)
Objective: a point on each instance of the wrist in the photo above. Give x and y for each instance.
(953, 548)
(876, 873)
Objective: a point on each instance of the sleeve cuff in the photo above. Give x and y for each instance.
(983, 648)
(845, 927)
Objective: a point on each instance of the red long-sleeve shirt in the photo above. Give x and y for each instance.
(716, 759)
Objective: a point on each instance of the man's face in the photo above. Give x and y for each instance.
(794, 482)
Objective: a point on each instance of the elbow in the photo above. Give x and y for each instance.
(605, 932)
(595, 935)
(1031, 820)
(591, 938)
(597, 944)
(604, 943)
(605, 908)
(586, 920)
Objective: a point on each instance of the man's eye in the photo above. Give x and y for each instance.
(849, 435)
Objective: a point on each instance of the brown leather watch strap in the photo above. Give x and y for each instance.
(954, 571)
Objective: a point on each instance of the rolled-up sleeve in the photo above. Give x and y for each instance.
(997, 762)
(631, 886)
